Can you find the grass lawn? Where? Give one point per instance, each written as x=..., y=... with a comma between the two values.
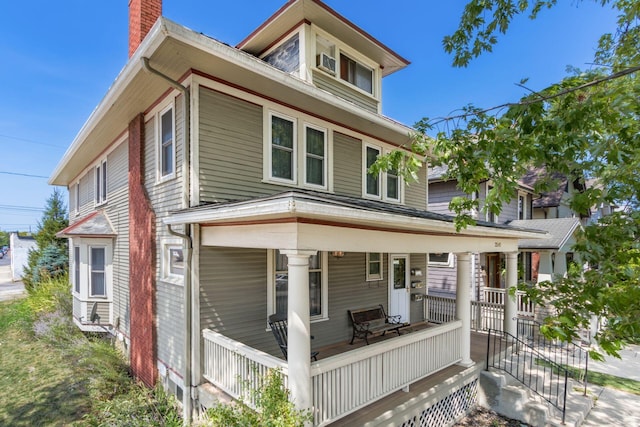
x=599, y=378
x=38, y=385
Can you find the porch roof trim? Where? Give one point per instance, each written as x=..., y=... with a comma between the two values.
x=341, y=209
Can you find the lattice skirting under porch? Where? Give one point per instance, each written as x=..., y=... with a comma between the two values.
x=449, y=410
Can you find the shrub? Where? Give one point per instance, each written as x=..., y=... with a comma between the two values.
x=273, y=408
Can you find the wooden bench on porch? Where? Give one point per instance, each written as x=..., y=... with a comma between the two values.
x=373, y=321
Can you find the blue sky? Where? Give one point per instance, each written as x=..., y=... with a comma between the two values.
x=60, y=57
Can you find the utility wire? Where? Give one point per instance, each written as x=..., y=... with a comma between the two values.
x=21, y=208
x=30, y=141
x=25, y=174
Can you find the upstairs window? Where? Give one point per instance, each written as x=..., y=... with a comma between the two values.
x=356, y=74
x=521, y=207
x=76, y=207
x=316, y=156
x=283, y=148
x=76, y=269
x=383, y=186
x=372, y=182
x=166, y=144
x=101, y=183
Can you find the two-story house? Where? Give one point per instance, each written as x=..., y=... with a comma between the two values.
x=214, y=186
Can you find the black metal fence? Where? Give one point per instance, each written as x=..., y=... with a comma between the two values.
x=529, y=366
x=570, y=356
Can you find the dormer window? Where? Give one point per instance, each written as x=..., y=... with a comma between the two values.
x=356, y=73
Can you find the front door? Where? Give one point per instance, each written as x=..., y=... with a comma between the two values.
x=399, y=291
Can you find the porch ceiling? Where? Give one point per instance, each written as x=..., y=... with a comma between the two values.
x=309, y=220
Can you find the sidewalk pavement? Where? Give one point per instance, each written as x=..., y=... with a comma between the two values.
x=8, y=289
x=613, y=407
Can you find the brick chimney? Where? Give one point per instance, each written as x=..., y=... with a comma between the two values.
x=142, y=15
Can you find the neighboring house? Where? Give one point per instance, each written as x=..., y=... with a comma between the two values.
x=20, y=247
x=487, y=269
x=554, y=204
x=215, y=185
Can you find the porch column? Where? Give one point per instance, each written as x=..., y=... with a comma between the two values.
x=299, y=331
x=545, y=268
x=463, y=305
x=510, y=306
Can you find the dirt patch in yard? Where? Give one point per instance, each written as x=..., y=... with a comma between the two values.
x=481, y=417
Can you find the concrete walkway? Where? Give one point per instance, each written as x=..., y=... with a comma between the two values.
x=613, y=407
x=8, y=289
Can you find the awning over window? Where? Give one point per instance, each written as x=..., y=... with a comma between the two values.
x=96, y=224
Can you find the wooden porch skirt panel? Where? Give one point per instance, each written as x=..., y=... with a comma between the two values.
x=346, y=382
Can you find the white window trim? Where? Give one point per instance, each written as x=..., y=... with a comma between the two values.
x=90, y=270
x=524, y=205
x=271, y=285
x=375, y=277
x=354, y=55
x=365, y=173
x=448, y=264
x=77, y=266
x=382, y=178
x=325, y=171
x=76, y=206
x=496, y=220
x=100, y=183
x=166, y=275
x=269, y=163
x=158, y=142
x=85, y=245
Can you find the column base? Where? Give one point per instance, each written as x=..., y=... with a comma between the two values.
x=466, y=363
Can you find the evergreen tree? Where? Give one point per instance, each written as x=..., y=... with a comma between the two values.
x=50, y=258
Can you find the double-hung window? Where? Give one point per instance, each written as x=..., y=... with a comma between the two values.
x=77, y=199
x=283, y=148
x=384, y=185
x=101, y=183
x=372, y=181
x=166, y=144
x=97, y=276
x=356, y=74
x=316, y=156
x=317, y=285
x=374, y=266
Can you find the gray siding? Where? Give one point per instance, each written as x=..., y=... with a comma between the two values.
x=343, y=90
x=117, y=209
x=87, y=194
x=440, y=194
x=230, y=149
x=166, y=196
x=415, y=194
x=347, y=165
x=170, y=311
x=233, y=295
x=416, y=307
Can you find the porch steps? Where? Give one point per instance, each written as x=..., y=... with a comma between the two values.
x=507, y=396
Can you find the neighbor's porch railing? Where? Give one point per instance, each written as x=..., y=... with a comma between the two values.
x=496, y=296
x=346, y=382
x=484, y=315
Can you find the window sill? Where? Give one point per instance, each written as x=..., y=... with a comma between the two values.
x=176, y=281
x=295, y=185
x=163, y=179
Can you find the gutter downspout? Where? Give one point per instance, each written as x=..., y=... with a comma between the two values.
x=186, y=110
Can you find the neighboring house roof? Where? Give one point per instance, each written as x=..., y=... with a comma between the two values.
x=559, y=229
x=96, y=224
x=437, y=173
x=342, y=209
x=315, y=12
x=550, y=198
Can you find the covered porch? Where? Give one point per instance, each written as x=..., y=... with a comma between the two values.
x=304, y=225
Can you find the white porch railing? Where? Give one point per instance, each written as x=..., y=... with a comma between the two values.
x=484, y=315
x=496, y=296
x=235, y=367
x=346, y=382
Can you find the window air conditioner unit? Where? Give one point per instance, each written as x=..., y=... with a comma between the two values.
x=327, y=63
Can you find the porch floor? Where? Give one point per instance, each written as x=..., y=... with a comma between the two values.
x=392, y=401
